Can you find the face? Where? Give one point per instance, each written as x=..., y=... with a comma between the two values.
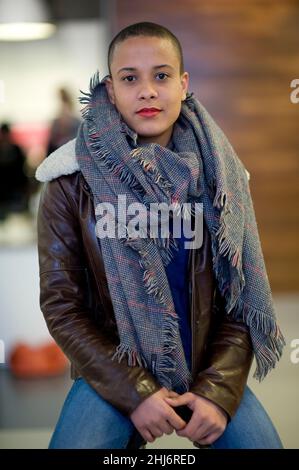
x=145, y=73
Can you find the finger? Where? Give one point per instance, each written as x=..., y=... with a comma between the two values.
x=175, y=420
x=208, y=439
x=192, y=427
x=173, y=394
x=180, y=400
x=195, y=430
x=166, y=428
x=156, y=431
x=147, y=435
x=197, y=427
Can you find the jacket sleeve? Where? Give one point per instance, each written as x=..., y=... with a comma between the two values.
x=66, y=311
x=229, y=356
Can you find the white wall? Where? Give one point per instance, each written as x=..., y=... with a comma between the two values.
x=20, y=315
x=31, y=71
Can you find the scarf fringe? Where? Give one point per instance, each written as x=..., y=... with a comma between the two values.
x=226, y=246
x=86, y=96
x=268, y=355
x=149, y=279
x=134, y=357
x=114, y=166
x=93, y=83
x=220, y=199
x=188, y=211
x=151, y=284
x=270, y=351
x=227, y=249
x=167, y=365
x=151, y=169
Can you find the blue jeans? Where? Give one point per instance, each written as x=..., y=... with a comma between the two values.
x=87, y=421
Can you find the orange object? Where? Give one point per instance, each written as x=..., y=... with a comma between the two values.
x=39, y=361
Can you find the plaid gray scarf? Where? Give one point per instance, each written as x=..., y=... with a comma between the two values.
x=202, y=167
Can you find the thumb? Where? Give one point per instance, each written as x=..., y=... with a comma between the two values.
x=177, y=401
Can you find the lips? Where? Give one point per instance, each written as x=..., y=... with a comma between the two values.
x=148, y=112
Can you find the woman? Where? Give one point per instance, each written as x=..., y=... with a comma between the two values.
x=161, y=335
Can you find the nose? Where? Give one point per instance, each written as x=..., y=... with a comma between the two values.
x=147, y=91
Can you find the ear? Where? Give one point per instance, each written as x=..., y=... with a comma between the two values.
x=109, y=88
x=185, y=84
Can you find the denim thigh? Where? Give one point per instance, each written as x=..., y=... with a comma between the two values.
x=87, y=421
x=250, y=428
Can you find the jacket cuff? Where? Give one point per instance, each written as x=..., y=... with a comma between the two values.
x=139, y=385
x=220, y=388
x=207, y=388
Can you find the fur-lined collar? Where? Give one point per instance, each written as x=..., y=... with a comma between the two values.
x=61, y=162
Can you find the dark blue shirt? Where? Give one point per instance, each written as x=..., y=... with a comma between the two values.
x=177, y=274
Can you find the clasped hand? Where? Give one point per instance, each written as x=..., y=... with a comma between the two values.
x=156, y=416
x=208, y=421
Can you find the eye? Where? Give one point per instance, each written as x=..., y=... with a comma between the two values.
x=128, y=77
x=162, y=73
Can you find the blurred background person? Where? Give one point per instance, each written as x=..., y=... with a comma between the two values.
x=64, y=127
x=13, y=179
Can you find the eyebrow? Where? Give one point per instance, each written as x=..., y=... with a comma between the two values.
x=133, y=69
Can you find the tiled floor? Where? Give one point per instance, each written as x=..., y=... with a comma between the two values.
x=29, y=409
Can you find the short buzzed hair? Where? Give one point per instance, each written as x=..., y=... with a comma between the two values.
x=146, y=29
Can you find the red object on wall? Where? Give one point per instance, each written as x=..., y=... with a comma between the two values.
x=28, y=361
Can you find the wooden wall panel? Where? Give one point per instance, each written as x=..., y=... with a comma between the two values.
x=242, y=57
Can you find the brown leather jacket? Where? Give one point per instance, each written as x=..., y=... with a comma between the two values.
x=77, y=307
